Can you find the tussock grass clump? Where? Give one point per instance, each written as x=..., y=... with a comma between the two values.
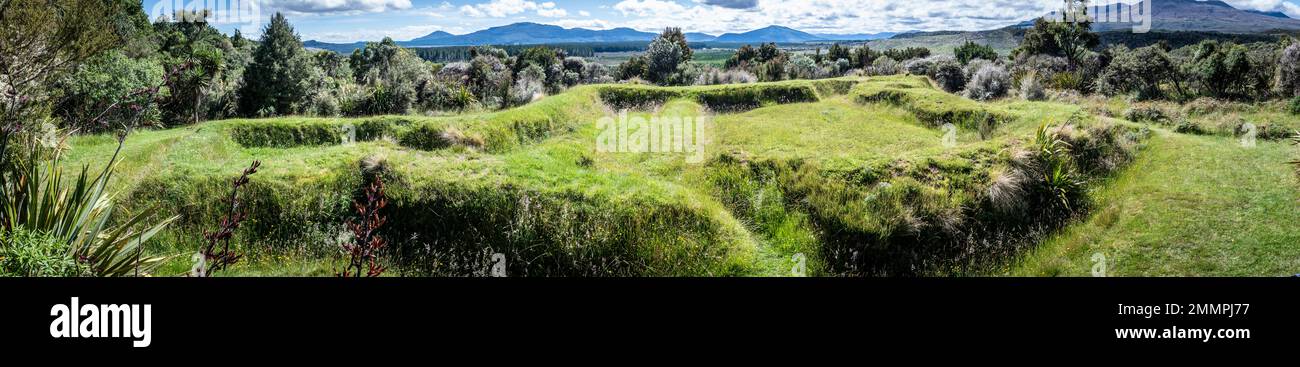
x=1147, y=113
x=636, y=97
x=750, y=97
x=286, y=133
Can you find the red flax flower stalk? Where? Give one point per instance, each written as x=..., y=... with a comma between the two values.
x=363, y=251
x=216, y=255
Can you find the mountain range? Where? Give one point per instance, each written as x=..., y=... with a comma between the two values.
x=534, y=33
x=1167, y=16
x=1206, y=16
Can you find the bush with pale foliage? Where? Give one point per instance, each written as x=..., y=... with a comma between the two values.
x=990, y=82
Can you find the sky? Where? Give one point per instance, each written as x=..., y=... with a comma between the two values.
x=372, y=20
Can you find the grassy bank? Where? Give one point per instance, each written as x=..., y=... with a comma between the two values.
x=1189, y=206
x=826, y=173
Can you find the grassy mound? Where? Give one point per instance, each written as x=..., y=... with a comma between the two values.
x=494, y=132
x=725, y=98
x=792, y=171
x=930, y=105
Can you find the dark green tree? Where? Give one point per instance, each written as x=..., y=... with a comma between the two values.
x=837, y=53
x=970, y=50
x=1070, y=38
x=675, y=35
x=274, y=83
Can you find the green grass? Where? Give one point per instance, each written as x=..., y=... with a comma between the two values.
x=819, y=169
x=1189, y=206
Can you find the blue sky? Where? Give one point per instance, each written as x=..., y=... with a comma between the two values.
x=368, y=20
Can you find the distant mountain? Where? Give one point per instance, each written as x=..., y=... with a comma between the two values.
x=774, y=33
x=537, y=34
x=343, y=48
x=433, y=37
x=529, y=34
x=856, y=37
x=1206, y=16
x=700, y=37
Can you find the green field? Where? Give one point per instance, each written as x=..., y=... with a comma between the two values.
x=846, y=176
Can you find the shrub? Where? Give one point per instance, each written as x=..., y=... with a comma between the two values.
x=949, y=75
x=26, y=253
x=1031, y=89
x=1223, y=70
x=1146, y=113
x=1043, y=67
x=885, y=66
x=1288, y=71
x=454, y=72
x=663, y=58
x=970, y=51
x=109, y=78
x=79, y=214
x=392, y=77
x=634, y=68
x=1138, y=72
x=446, y=96
x=904, y=54
x=801, y=67
x=975, y=66
x=489, y=79
x=989, y=82
x=924, y=66
x=1185, y=126
x=732, y=76
x=529, y=85
x=1294, y=107
x=1209, y=105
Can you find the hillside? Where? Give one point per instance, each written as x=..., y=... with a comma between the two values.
x=1207, y=16
x=776, y=34
x=1002, y=40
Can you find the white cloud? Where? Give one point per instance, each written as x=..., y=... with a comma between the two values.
x=583, y=23
x=549, y=10
x=336, y=6
x=1286, y=7
x=649, y=7
x=506, y=8
x=584, y=13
